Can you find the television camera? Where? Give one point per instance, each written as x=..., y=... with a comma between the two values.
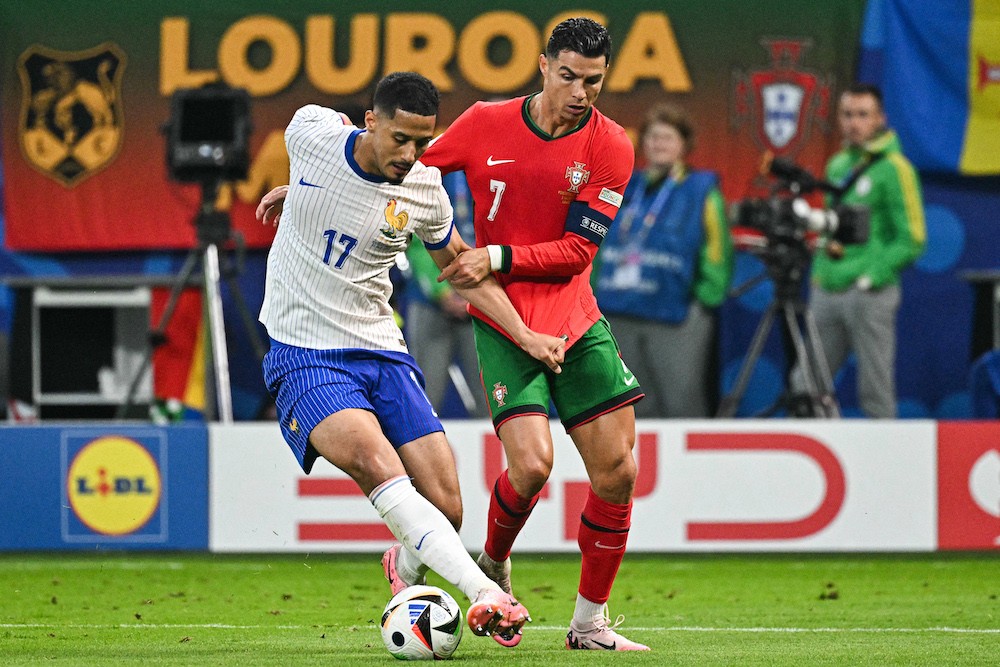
x=789, y=227
x=207, y=139
x=783, y=230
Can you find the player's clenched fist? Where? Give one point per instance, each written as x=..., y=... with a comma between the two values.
x=549, y=350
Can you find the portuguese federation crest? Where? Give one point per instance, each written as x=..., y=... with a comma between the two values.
x=781, y=103
x=499, y=393
x=71, y=110
x=577, y=175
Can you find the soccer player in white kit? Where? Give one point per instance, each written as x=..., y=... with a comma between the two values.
x=345, y=386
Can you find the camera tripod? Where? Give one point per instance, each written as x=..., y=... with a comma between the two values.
x=213, y=230
x=816, y=397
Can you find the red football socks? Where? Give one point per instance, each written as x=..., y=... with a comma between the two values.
x=508, y=512
x=602, y=537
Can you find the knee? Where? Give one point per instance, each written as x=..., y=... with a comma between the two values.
x=529, y=474
x=615, y=481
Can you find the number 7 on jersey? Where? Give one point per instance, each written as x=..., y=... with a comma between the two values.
x=497, y=188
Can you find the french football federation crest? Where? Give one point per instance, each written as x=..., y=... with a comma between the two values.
x=71, y=110
x=782, y=102
x=397, y=221
x=499, y=393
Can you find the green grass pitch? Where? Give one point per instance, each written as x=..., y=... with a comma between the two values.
x=203, y=609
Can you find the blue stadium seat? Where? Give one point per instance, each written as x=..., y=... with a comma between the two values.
x=984, y=385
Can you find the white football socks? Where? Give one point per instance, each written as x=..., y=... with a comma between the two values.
x=587, y=614
x=410, y=567
x=427, y=534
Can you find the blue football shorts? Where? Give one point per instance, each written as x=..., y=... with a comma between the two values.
x=310, y=385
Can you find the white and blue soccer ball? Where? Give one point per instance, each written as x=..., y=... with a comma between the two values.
x=422, y=623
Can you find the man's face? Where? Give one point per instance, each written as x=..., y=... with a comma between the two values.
x=572, y=82
x=861, y=118
x=397, y=142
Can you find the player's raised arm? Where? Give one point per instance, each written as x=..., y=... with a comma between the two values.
x=487, y=295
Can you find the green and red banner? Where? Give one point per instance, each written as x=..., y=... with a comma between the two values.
x=85, y=90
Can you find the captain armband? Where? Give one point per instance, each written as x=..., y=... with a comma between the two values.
x=588, y=223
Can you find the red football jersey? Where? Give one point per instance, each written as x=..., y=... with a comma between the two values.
x=522, y=182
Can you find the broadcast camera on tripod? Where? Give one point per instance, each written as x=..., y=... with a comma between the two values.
x=208, y=144
x=783, y=230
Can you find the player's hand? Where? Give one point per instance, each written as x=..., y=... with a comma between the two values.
x=549, y=350
x=468, y=269
x=271, y=204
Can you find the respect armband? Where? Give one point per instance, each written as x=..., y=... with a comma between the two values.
x=588, y=223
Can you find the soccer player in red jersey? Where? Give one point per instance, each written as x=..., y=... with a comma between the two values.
x=547, y=173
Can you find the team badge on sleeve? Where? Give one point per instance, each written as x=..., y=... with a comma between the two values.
x=609, y=196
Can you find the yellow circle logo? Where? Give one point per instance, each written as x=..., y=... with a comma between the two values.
x=114, y=485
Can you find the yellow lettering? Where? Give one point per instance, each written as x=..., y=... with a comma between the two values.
x=650, y=51
x=321, y=67
x=174, y=72
x=474, y=45
x=269, y=169
x=286, y=55
x=422, y=43
x=572, y=13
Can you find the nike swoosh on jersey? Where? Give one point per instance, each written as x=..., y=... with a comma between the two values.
x=490, y=162
x=306, y=183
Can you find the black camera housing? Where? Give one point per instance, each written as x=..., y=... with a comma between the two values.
x=786, y=216
x=208, y=134
x=791, y=218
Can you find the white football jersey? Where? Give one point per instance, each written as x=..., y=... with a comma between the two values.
x=327, y=284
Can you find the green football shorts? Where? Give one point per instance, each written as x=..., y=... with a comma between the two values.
x=594, y=379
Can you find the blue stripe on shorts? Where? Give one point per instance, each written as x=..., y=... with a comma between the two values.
x=310, y=385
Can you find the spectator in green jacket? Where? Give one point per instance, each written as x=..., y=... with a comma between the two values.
x=855, y=298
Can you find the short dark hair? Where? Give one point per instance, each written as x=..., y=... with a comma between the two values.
x=865, y=89
x=580, y=35
x=672, y=115
x=406, y=91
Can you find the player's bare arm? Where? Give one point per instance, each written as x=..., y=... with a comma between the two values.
x=491, y=300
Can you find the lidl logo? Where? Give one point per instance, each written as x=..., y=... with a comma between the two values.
x=113, y=485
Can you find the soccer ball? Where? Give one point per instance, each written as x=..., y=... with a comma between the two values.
x=422, y=623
